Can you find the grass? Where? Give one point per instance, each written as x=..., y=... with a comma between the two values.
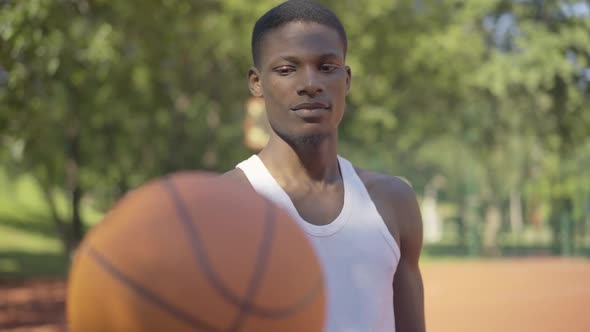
x=29, y=243
x=30, y=246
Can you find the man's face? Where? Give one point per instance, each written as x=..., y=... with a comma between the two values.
x=302, y=76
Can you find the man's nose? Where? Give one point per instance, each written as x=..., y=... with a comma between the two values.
x=310, y=82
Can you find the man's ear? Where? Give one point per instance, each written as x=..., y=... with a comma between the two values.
x=348, y=79
x=254, y=82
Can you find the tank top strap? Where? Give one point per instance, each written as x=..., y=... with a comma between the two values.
x=262, y=181
x=352, y=180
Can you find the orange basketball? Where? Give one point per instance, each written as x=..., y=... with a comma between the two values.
x=195, y=252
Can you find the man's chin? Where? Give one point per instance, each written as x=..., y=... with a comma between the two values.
x=309, y=139
x=308, y=136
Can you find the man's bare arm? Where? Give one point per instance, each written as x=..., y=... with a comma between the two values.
x=396, y=202
x=407, y=284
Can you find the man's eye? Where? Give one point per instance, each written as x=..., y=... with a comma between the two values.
x=283, y=71
x=328, y=68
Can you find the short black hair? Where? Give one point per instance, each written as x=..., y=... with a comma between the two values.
x=294, y=11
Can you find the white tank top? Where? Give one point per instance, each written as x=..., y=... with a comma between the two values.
x=357, y=251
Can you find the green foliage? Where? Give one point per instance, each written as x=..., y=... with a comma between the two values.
x=105, y=95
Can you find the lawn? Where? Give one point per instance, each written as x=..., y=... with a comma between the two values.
x=29, y=243
x=30, y=246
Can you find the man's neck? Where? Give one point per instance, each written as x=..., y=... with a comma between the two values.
x=308, y=163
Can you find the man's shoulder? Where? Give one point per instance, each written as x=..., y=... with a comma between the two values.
x=394, y=199
x=236, y=175
x=386, y=186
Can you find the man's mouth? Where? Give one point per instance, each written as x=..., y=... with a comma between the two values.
x=311, y=107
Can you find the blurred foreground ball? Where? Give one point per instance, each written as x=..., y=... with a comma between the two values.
x=195, y=252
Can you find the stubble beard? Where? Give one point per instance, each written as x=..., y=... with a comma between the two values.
x=303, y=141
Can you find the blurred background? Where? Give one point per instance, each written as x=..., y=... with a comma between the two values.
x=482, y=105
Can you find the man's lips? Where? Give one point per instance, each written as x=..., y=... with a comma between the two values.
x=311, y=106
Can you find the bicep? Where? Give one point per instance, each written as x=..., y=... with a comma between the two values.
x=407, y=284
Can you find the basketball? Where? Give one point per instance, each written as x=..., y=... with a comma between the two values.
x=195, y=252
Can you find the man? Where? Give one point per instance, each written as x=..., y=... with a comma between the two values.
x=366, y=227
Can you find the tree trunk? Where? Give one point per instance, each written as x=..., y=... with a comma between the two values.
x=77, y=224
x=122, y=187
x=73, y=184
x=60, y=225
x=515, y=211
x=562, y=205
x=493, y=222
x=470, y=225
x=73, y=159
x=563, y=227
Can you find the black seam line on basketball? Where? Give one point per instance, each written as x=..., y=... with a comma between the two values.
x=261, y=263
x=140, y=290
x=200, y=255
